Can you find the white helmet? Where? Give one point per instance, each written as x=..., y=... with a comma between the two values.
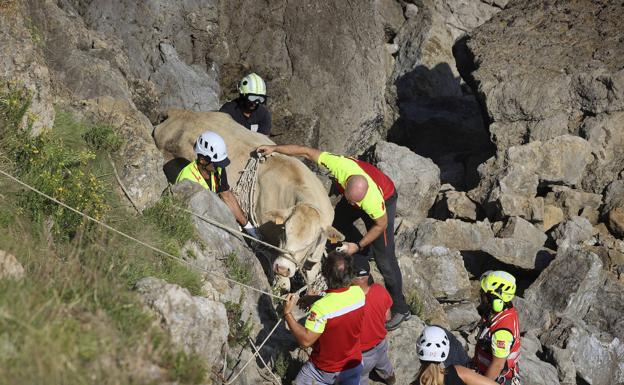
x=212, y=146
x=433, y=344
x=252, y=84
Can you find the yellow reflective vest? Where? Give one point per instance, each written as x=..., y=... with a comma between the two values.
x=191, y=172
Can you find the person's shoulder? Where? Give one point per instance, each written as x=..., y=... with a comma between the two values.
x=228, y=106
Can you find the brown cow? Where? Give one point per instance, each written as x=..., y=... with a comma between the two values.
x=291, y=205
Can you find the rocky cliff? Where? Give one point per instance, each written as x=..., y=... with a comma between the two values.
x=500, y=123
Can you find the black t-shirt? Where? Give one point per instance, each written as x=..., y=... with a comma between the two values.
x=258, y=121
x=451, y=377
x=457, y=354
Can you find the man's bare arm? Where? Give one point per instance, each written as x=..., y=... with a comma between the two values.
x=291, y=149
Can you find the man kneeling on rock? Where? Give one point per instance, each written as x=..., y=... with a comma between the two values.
x=332, y=328
x=368, y=194
x=209, y=171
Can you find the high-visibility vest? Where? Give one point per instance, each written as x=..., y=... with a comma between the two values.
x=508, y=320
x=192, y=173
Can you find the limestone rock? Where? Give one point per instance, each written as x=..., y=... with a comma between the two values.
x=350, y=59
x=516, y=252
x=138, y=160
x=22, y=61
x=583, y=348
x=445, y=272
x=207, y=204
x=462, y=315
x=568, y=286
x=518, y=228
x=455, y=205
x=184, y=86
x=419, y=292
x=438, y=116
x=10, y=268
x=402, y=350
x=553, y=215
x=417, y=179
x=537, y=101
x=174, y=55
x=604, y=132
x=575, y=202
x=534, y=370
x=453, y=234
x=530, y=316
x=195, y=324
x=614, y=196
x=574, y=231
x=615, y=221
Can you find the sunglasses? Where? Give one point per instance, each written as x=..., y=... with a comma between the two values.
x=258, y=99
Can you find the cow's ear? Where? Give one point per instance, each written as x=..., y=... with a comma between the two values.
x=333, y=235
x=278, y=216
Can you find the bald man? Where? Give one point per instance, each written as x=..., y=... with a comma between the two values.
x=370, y=195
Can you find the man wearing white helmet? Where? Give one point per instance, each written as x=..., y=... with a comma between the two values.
x=433, y=350
x=248, y=109
x=209, y=171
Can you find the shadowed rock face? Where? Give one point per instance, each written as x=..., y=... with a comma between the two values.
x=543, y=69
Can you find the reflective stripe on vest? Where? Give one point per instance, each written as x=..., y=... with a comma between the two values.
x=192, y=173
x=507, y=319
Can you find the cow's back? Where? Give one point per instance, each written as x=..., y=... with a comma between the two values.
x=176, y=136
x=282, y=180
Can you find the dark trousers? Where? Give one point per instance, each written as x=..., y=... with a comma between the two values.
x=382, y=248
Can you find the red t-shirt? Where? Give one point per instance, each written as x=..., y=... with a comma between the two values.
x=378, y=301
x=339, y=316
x=383, y=181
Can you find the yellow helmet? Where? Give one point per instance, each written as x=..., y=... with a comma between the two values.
x=499, y=283
x=252, y=84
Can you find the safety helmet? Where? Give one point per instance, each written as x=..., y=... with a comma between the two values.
x=252, y=84
x=501, y=285
x=433, y=344
x=212, y=146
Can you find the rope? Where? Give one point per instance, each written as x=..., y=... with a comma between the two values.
x=245, y=189
x=232, y=230
x=255, y=354
x=178, y=259
x=256, y=351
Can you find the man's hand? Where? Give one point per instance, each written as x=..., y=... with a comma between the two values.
x=266, y=149
x=348, y=248
x=291, y=302
x=252, y=231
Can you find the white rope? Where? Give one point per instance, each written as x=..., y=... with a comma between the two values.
x=233, y=230
x=254, y=355
x=178, y=259
x=245, y=189
x=256, y=351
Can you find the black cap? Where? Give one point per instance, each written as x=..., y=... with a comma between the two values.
x=361, y=267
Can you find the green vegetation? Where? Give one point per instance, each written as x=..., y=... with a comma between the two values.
x=237, y=270
x=415, y=303
x=239, y=330
x=74, y=318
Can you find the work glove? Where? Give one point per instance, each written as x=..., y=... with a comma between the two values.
x=252, y=231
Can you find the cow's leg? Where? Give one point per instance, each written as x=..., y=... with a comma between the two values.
x=382, y=249
x=344, y=216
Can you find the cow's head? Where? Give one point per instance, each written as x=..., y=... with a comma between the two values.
x=302, y=235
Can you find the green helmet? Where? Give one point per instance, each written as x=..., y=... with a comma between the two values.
x=252, y=84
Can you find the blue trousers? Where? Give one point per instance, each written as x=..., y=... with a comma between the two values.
x=311, y=375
